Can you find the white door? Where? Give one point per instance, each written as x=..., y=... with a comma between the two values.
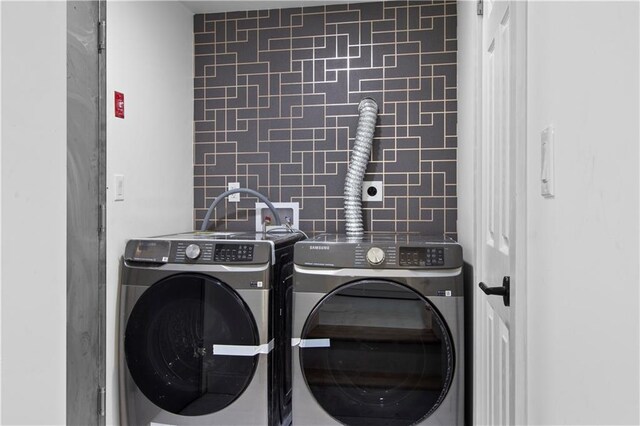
x=499, y=365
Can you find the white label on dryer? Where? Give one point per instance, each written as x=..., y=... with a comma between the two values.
x=242, y=350
x=311, y=343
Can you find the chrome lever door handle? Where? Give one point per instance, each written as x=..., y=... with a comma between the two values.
x=503, y=291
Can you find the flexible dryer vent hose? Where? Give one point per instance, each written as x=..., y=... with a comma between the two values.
x=219, y=198
x=368, y=110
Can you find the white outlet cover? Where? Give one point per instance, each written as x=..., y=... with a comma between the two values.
x=234, y=198
x=262, y=209
x=377, y=184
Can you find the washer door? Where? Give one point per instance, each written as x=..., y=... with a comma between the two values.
x=169, y=343
x=376, y=352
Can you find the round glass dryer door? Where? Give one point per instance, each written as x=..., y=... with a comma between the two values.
x=375, y=352
x=169, y=343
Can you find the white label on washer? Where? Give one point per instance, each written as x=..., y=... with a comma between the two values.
x=447, y=293
x=165, y=259
x=311, y=343
x=242, y=350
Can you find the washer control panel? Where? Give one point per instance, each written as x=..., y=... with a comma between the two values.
x=225, y=252
x=196, y=252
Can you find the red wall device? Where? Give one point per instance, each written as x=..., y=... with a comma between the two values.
x=119, y=104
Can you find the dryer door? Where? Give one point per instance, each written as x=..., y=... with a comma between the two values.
x=169, y=341
x=376, y=352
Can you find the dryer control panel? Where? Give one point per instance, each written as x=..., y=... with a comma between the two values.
x=421, y=256
x=379, y=251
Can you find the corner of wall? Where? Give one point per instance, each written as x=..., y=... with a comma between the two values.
x=149, y=59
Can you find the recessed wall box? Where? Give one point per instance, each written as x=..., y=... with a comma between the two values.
x=290, y=210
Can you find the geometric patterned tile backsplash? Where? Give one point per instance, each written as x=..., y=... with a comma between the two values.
x=276, y=96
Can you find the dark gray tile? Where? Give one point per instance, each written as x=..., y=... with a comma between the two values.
x=203, y=49
x=451, y=120
x=448, y=168
x=438, y=57
x=432, y=10
x=218, y=182
x=198, y=23
x=401, y=19
x=236, y=15
x=289, y=106
x=247, y=24
x=448, y=71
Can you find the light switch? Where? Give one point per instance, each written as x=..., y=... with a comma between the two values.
x=119, y=187
x=547, y=163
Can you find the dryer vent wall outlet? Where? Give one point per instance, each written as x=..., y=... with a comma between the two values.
x=372, y=191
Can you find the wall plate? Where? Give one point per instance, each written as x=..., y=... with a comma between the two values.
x=547, y=166
x=372, y=191
x=292, y=210
x=234, y=198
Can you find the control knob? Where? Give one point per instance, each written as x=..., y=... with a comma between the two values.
x=375, y=256
x=192, y=251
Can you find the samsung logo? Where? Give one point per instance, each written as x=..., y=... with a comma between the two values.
x=318, y=247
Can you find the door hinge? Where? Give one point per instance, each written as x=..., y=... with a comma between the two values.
x=102, y=401
x=102, y=218
x=102, y=36
x=480, y=8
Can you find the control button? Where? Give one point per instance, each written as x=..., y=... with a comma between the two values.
x=192, y=251
x=375, y=256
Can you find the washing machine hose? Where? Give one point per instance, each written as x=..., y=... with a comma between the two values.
x=368, y=110
x=205, y=222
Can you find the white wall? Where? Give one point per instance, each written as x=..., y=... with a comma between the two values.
x=34, y=212
x=583, y=245
x=467, y=102
x=150, y=60
x=468, y=93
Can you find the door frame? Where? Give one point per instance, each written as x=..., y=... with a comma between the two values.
x=86, y=197
x=518, y=279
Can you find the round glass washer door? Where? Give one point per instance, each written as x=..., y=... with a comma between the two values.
x=169, y=342
x=375, y=352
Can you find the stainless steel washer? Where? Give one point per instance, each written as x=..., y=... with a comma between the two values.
x=202, y=329
x=378, y=331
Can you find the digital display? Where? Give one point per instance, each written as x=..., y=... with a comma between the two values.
x=421, y=256
x=233, y=253
x=152, y=251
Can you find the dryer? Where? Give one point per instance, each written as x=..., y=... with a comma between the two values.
x=378, y=331
x=202, y=325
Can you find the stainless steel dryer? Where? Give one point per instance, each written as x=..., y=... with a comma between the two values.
x=378, y=331
x=199, y=323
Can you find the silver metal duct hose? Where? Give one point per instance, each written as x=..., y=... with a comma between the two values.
x=368, y=110
x=205, y=222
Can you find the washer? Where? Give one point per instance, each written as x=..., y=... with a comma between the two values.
x=203, y=330
x=378, y=331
